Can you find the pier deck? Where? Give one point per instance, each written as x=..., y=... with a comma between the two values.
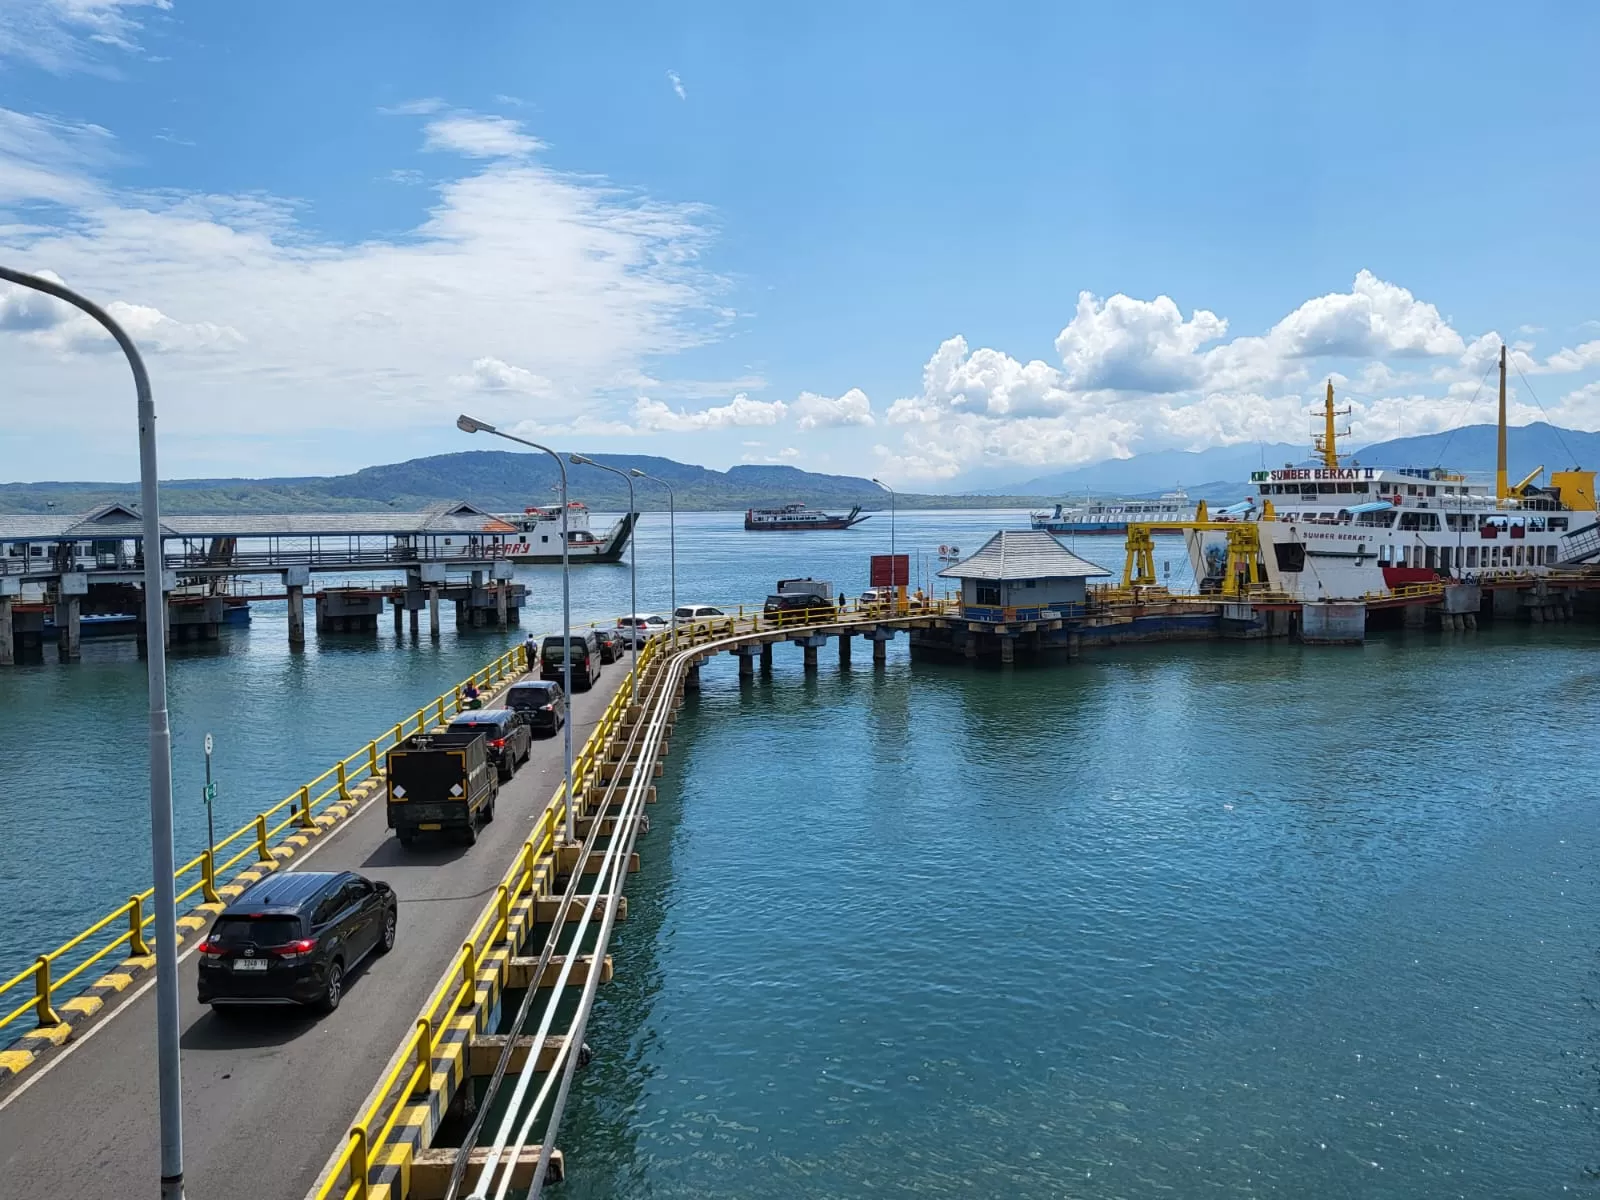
x=267, y=1099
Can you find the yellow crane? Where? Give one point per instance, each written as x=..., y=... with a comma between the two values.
x=1245, y=569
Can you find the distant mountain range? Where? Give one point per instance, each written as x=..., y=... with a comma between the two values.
x=498, y=480
x=505, y=481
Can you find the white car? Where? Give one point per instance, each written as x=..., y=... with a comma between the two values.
x=641, y=627
x=696, y=612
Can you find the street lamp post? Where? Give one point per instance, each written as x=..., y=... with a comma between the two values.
x=633, y=571
x=893, y=577
x=672, y=543
x=161, y=864
x=472, y=425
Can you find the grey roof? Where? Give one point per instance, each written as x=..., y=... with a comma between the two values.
x=1015, y=554
x=120, y=521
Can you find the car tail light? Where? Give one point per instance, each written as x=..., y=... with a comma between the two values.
x=295, y=951
x=210, y=949
x=547, y=708
x=498, y=743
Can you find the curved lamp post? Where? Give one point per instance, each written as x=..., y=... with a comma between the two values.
x=579, y=460
x=672, y=542
x=472, y=425
x=161, y=864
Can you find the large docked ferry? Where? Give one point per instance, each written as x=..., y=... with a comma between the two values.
x=538, y=537
x=797, y=516
x=1342, y=531
x=1113, y=517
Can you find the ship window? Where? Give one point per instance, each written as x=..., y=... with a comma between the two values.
x=1411, y=489
x=1558, y=523
x=544, y=537
x=1344, y=487
x=1433, y=491
x=1325, y=488
x=1519, y=556
x=1359, y=487
x=1472, y=556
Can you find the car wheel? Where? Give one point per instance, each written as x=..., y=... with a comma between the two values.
x=406, y=840
x=390, y=921
x=488, y=810
x=470, y=836
x=333, y=990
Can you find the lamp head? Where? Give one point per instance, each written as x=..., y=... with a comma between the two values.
x=579, y=460
x=472, y=425
x=637, y=474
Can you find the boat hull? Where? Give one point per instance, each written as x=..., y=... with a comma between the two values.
x=608, y=550
x=798, y=526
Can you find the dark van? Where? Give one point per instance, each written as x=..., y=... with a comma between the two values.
x=441, y=783
x=585, y=660
x=509, y=741
x=538, y=702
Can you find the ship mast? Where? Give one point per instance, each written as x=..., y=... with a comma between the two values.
x=1326, y=444
x=1501, y=491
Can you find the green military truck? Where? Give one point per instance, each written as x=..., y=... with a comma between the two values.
x=443, y=784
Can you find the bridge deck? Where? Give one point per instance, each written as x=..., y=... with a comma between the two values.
x=267, y=1098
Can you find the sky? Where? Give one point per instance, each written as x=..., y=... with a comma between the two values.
x=944, y=245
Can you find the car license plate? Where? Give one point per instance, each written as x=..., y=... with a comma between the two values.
x=249, y=964
x=430, y=825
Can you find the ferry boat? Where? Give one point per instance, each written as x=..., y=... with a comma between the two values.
x=538, y=536
x=1114, y=517
x=1340, y=531
x=797, y=516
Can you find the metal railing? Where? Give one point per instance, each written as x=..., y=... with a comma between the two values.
x=253, y=840
x=413, y=1066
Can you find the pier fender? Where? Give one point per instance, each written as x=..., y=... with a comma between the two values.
x=585, y=1055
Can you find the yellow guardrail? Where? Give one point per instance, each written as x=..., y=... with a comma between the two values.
x=254, y=840
x=413, y=1066
x=347, y=1176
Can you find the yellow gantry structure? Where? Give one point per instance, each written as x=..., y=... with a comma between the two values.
x=1245, y=568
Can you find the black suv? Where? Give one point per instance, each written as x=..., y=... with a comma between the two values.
x=505, y=733
x=293, y=938
x=538, y=702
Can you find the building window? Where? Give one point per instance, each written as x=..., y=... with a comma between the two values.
x=987, y=594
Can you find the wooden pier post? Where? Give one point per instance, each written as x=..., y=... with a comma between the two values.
x=8, y=654
x=844, y=650
x=433, y=613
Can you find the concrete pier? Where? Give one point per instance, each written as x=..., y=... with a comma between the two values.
x=297, y=616
x=766, y=658
x=415, y=621
x=8, y=650
x=844, y=650
x=811, y=658
x=69, y=630
x=433, y=613
x=501, y=592
x=1008, y=649
x=399, y=620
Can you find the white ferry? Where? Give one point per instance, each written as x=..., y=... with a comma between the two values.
x=793, y=517
x=1347, y=532
x=1114, y=517
x=538, y=536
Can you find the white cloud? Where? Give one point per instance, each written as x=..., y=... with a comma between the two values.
x=478, y=136
x=1129, y=345
x=268, y=329
x=677, y=85
x=656, y=417
x=1138, y=375
x=493, y=375
x=820, y=412
x=59, y=35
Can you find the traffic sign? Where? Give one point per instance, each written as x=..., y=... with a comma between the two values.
x=208, y=743
x=210, y=792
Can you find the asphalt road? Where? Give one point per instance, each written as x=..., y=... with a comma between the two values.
x=268, y=1098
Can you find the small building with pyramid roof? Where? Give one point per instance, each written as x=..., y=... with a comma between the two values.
x=1019, y=574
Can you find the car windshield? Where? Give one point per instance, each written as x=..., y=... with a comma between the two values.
x=263, y=931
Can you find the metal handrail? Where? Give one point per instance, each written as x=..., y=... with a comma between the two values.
x=302, y=803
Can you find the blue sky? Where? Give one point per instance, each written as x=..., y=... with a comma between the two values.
x=930, y=242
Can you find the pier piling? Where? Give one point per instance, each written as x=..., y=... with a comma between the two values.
x=844, y=650
x=399, y=615
x=69, y=630
x=8, y=655
x=766, y=658
x=1008, y=649
x=415, y=616
x=433, y=613
x=297, y=615
x=501, y=591
x=880, y=652
x=810, y=658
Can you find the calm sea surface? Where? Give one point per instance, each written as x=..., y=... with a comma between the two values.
x=1241, y=920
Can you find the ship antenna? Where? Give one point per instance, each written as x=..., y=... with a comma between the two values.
x=1326, y=444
